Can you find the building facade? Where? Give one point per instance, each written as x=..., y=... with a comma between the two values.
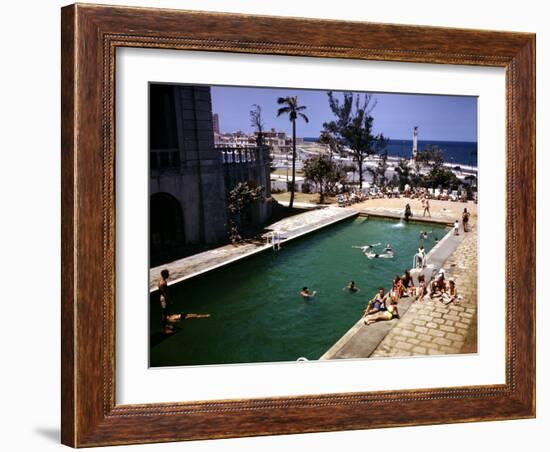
x=278, y=141
x=189, y=177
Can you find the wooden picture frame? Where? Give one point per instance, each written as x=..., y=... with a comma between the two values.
x=90, y=36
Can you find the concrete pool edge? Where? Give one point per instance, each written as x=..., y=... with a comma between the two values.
x=336, y=351
x=392, y=216
x=344, y=214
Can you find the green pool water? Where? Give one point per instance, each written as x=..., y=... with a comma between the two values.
x=256, y=312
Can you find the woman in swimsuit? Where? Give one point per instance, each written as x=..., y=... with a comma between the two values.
x=451, y=296
x=408, y=283
x=422, y=288
x=389, y=314
x=397, y=289
x=438, y=286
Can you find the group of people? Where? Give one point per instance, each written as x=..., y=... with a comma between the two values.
x=383, y=306
x=351, y=197
x=442, y=195
x=370, y=253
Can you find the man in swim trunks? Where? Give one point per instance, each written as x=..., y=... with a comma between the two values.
x=164, y=299
x=306, y=295
x=376, y=304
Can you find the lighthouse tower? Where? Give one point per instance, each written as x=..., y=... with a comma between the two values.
x=415, y=144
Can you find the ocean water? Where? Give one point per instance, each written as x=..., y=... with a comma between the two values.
x=256, y=312
x=459, y=152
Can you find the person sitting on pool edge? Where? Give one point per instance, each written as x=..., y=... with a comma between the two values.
x=389, y=314
x=451, y=295
x=438, y=285
x=351, y=287
x=408, y=283
x=376, y=304
x=422, y=289
x=306, y=295
x=397, y=289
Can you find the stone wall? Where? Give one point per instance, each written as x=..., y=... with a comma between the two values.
x=185, y=164
x=194, y=174
x=249, y=165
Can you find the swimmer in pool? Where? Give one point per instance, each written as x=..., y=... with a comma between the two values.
x=351, y=287
x=306, y=295
x=367, y=248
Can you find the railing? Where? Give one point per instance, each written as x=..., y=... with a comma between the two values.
x=236, y=155
x=164, y=160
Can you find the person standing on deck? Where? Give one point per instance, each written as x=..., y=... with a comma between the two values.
x=408, y=213
x=456, y=227
x=465, y=219
x=426, y=207
x=164, y=299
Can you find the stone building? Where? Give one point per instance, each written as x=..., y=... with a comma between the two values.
x=190, y=178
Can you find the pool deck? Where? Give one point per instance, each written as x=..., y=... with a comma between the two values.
x=289, y=229
x=441, y=212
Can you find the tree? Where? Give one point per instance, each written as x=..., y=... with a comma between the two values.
x=403, y=172
x=379, y=171
x=294, y=111
x=324, y=173
x=431, y=156
x=328, y=140
x=240, y=197
x=441, y=177
x=353, y=127
x=438, y=175
x=256, y=121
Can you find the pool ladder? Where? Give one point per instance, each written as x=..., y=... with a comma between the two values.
x=275, y=238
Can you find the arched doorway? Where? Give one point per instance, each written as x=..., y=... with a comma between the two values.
x=166, y=233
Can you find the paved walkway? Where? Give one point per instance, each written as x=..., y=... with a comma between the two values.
x=431, y=328
x=289, y=228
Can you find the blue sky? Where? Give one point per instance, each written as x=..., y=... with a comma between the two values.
x=445, y=118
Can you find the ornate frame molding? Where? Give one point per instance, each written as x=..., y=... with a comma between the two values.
x=90, y=37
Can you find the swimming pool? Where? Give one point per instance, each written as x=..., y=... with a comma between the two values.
x=256, y=312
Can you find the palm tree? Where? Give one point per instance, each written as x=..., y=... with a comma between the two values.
x=293, y=110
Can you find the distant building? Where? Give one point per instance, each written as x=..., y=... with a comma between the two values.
x=216, y=123
x=190, y=177
x=278, y=141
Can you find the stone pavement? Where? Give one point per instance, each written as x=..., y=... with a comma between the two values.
x=431, y=328
x=289, y=228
